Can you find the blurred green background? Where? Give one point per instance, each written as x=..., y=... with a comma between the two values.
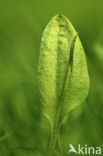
x=23, y=129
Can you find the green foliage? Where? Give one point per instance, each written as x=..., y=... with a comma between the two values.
x=24, y=131
x=62, y=72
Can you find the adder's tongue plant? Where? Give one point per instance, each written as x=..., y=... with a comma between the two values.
x=62, y=73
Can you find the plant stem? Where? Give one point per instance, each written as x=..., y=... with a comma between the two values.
x=54, y=138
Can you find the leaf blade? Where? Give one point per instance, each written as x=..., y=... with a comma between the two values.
x=55, y=53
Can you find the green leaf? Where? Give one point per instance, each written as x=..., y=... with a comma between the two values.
x=62, y=71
